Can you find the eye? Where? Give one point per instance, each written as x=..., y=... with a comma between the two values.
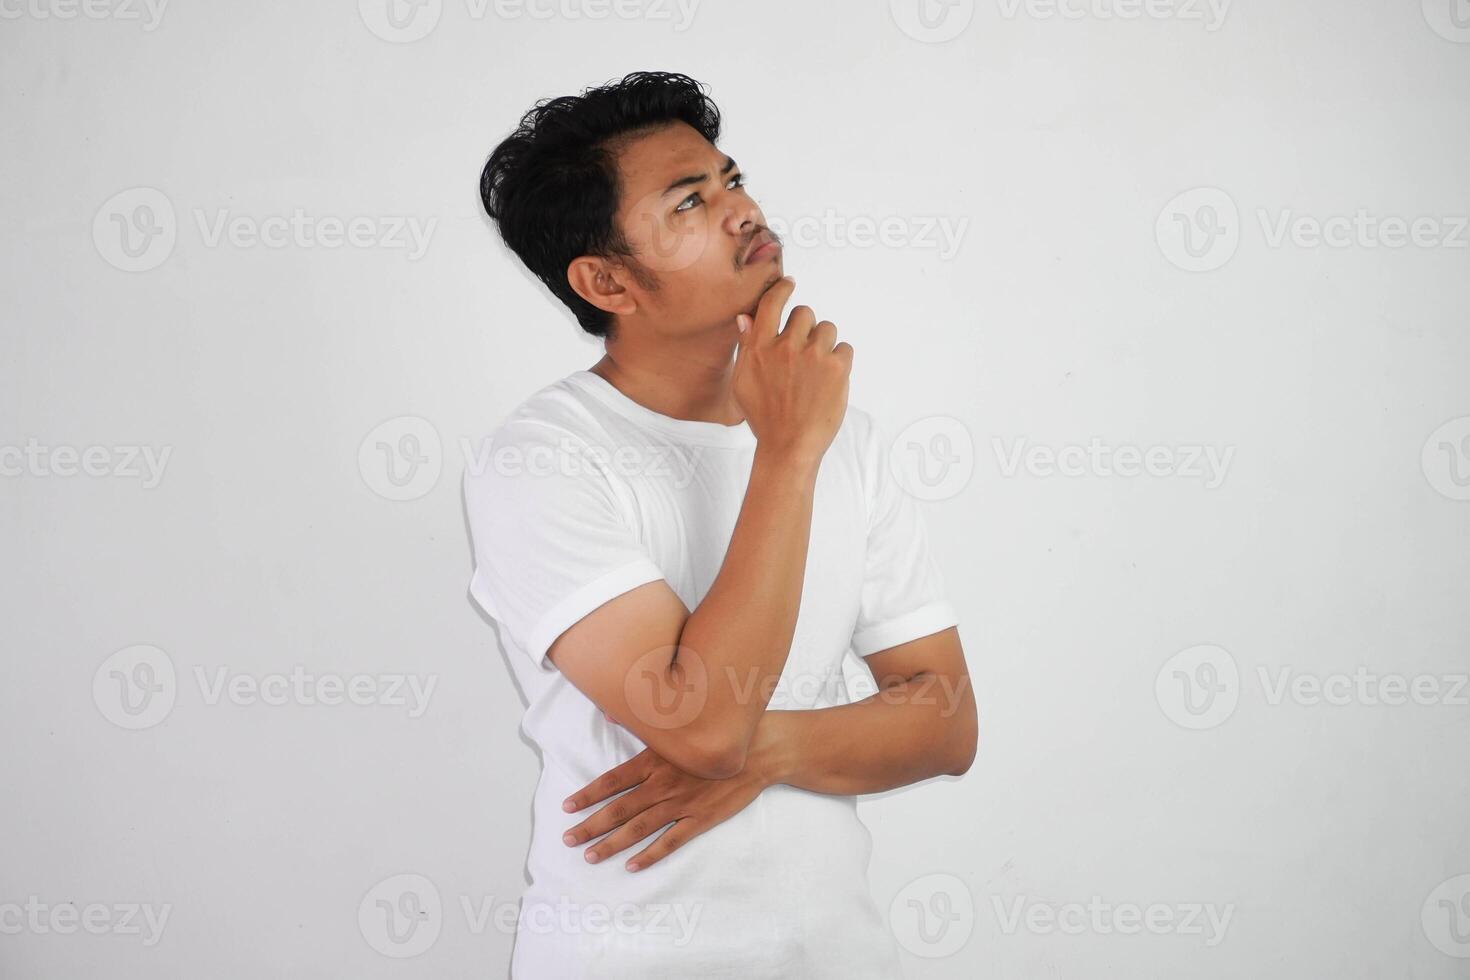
x=735, y=182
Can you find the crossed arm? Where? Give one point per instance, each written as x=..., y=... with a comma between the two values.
x=920, y=723
x=718, y=666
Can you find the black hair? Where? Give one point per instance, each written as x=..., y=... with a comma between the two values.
x=551, y=186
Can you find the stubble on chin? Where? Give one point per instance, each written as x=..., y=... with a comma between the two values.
x=771, y=280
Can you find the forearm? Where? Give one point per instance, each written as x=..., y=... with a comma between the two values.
x=909, y=731
x=741, y=632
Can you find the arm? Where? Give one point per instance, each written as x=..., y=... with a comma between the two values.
x=921, y=723
x=644, y=651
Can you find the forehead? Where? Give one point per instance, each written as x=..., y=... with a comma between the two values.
x=649, y=162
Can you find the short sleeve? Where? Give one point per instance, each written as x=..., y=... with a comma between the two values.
x=903, y=595
x=551, y=534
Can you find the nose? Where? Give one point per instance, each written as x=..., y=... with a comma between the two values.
x=741, y=214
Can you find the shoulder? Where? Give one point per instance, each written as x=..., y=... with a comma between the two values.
x=860, y=424
x=865, y=437
x=556, y=422
x=861, y=445
x=559, y=406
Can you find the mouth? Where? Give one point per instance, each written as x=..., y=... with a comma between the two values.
x=761, y=248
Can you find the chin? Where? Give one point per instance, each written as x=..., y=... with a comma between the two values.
x=770, y=278
x=760, y=280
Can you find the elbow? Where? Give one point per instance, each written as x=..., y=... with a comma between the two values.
x=964, y=733
x=963, y=744
x=714, y=757
x=719, y=761
x=961, y=762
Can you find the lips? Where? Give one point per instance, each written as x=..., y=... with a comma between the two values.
x=763, y=246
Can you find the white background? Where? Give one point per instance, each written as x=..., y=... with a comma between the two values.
x=1336, y=541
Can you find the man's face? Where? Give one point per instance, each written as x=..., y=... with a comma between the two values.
x=694, y=229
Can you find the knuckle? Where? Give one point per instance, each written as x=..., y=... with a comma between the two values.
x=618, y=811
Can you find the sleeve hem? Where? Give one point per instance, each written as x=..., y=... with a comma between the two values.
x=924, y=621
x=574, y=607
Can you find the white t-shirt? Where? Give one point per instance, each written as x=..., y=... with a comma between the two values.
x=587, y=494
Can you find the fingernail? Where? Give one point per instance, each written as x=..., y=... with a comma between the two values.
x=591, y=857
x=740, y=323
x=568, y=805
x=633, y=865
x=569, y=838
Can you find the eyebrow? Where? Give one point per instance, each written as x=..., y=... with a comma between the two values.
x=700, y=178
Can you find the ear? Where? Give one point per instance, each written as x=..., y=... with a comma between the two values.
x=601, y=283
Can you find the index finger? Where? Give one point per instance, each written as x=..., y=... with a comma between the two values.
x=768, y=311
x=610, y=783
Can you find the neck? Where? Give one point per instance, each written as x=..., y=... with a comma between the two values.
x=681, y=376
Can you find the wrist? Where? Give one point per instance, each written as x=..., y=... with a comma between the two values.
x=771, y=760
x=789, y=462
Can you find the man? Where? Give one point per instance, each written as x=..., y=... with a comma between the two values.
x=680, y=545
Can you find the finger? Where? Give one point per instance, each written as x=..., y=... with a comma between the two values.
x=630, y=833
x=823, y=335
x=613, y=815
x=844, y=351
x=768, y=310
x=610, y=783
x=681, y=833
x=743, y=324
x=799, y=324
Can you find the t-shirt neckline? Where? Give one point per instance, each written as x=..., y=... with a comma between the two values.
x=688, y=430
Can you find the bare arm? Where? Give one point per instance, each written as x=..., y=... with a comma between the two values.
x=682, y=681
x=921, y=723
x=671, y=676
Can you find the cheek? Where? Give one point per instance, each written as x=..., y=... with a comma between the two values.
x=670, y=245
